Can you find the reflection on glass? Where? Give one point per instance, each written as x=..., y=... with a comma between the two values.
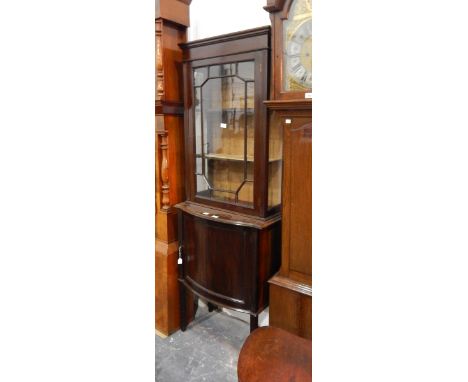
x=224, y=131
x=199, y=76
x=246, y=70
x=275, y=161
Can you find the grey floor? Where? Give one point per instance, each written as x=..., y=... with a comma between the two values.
x=207, y=351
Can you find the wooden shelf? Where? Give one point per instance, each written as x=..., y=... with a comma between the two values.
x=249, y=110
x=232, y=157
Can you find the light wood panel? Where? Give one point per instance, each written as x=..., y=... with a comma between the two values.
x=290, y=288
x=172, y=18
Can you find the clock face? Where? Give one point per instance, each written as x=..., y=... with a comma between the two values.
x=298, y=56
x=297, y=47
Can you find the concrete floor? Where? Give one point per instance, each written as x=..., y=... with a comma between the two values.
x=207, y=351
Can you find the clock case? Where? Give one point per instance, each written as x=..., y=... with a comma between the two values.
x=291, y=288
x=228, y=251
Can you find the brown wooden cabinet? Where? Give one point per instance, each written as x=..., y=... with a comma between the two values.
x=230, y=224
x=290, y=109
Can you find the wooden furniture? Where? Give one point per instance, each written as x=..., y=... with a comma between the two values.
x=172, y=20
x=290, y=109
x=230, y=224
x=274, y=355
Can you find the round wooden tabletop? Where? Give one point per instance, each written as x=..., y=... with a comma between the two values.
x=275, y=355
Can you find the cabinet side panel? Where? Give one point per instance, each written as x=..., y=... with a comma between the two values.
x=269, y=261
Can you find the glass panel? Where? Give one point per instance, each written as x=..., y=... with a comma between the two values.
x=202, y=185
x=200, y=75
x=228, y=181
x=199, y=166
x=275, y=161
x=224, y=133
x=229, y=69
x=249, y=115
x=246, y=70
x=198, y=120
x=215, y=71
x=246, y=191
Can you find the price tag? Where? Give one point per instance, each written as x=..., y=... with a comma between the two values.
x=223, y=125
x=308, y=95
x=179, y=260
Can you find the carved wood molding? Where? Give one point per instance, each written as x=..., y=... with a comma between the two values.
x=174, y=11
x=168, y=107
x=223, y=216
x=291, y=284
x=296, y=104
x=234, y=36
x=159, y=62
x=164, y=171
x=281, y=7
x=274, y=5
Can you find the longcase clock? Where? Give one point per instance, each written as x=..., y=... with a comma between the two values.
x=290, y=111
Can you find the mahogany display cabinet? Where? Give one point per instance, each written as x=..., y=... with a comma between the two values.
x=229, y=225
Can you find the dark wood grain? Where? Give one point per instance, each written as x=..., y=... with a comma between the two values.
x=226, y=216
x=229, y=265
x=274, y=355
x=168, y=107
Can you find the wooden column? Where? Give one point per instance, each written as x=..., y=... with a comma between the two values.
x=172, y=20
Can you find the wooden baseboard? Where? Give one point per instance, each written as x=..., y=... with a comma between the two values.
x=291, y=306
x=289, y=283
x=166, y=288
x=159, y=334
x=167, y=310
